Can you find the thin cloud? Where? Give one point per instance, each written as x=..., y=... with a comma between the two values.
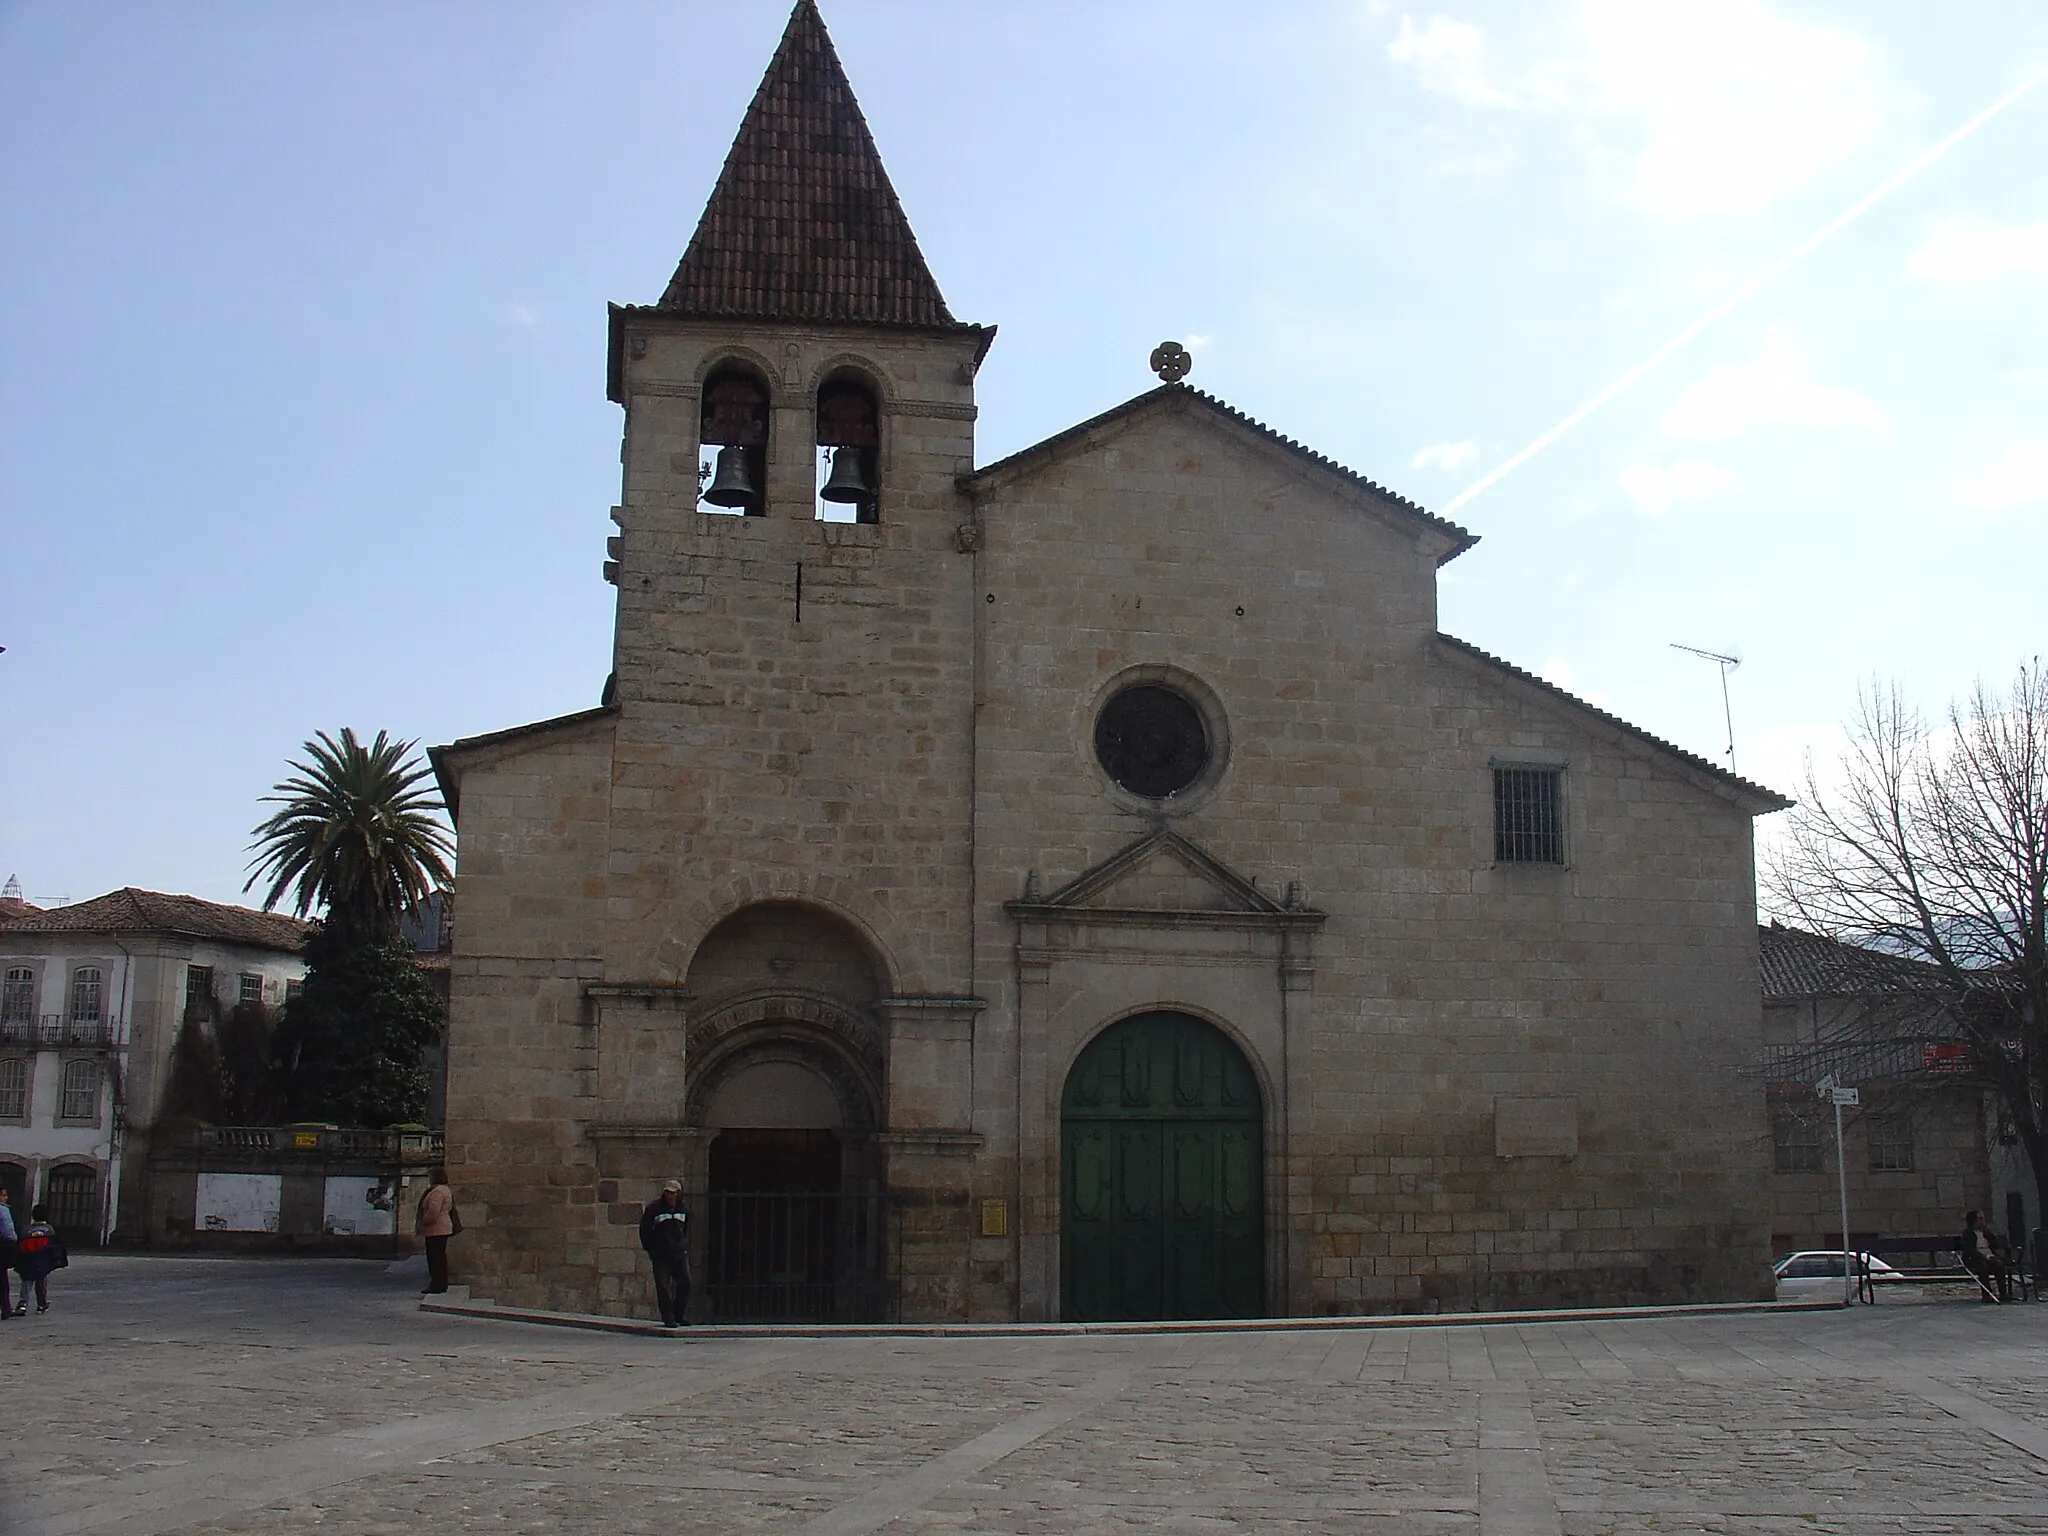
x=1657, y=488
x=1972, y=250
x=1711, y=109
x=2015, y=477
x=1776, y=388
x=519, y=314
x=1449, y=58
x=1444, y=455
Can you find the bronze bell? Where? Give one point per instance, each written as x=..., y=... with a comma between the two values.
x=846, y=483
x=731, y=486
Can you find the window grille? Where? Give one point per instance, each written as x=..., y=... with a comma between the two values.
x=81, y=1099
x=1528, y=819
x=85, y=995
x=13, y=1089
x=1795, y=1143
x=198, y=987
x=18, y=996
x=1891, y=1143
x=252, y=987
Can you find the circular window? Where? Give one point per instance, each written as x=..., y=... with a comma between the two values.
x=1151, y=742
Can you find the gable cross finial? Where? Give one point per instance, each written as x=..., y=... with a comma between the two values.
x=1171, y=362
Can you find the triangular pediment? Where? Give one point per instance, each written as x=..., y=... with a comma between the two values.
x=1163, y=875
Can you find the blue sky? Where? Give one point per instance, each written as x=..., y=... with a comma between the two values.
x=302, y=416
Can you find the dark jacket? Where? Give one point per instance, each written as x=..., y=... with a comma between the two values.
x=42, y=1250
x=665, y=1233
x=1966, y=1245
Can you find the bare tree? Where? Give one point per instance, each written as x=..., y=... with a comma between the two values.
x=1934, y=848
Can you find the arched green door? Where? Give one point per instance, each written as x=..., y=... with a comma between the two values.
x=1161, y=1194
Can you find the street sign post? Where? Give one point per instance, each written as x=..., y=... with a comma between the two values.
x=1831, y=1092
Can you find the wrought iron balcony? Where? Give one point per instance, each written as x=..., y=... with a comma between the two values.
x=56, y=1030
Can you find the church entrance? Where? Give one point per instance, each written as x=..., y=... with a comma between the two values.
x=1161, y=1211
x=789, y=1227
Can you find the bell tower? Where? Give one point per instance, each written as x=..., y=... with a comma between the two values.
x=794, y=561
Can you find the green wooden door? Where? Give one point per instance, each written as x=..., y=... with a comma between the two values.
x=1161, y=1213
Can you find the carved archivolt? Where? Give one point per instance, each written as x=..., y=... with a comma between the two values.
x=844, y=1046
x=709, y=1027
x=857, y=1089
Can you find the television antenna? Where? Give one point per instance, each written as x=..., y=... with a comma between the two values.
x=1727, y=664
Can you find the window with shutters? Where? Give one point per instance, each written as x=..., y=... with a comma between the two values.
x=79, y=1103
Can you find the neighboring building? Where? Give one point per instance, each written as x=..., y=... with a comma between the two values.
x=94, y=996
x=431, y=933
x=1085, y=886
x=1918, y=1149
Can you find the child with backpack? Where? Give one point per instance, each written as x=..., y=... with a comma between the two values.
x=40, y=1250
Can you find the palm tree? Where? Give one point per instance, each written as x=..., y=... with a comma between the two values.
x=356, y=832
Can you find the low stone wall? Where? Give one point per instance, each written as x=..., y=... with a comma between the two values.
x=287, y=1189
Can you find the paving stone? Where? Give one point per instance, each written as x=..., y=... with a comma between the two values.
x=181, y=1396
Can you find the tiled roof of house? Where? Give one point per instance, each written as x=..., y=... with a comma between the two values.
x=13, y=907
x=803, y=224
x=1747, y=787
x=131, y=911
x=1167, y=394
x=1796, y=963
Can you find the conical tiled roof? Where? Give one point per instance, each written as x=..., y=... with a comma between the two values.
x=803, y=224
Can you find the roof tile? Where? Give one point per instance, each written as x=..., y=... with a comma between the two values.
x=129, y=910
x=803, y=224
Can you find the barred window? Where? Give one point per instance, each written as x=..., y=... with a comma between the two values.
x=252, y=987
x=18, y=996
x=1795, y=1143
x=85, y=995
x=1891, y=1143
x=13, y=1089
x=198, y=987
x=81, y=1098
x=1528, y=815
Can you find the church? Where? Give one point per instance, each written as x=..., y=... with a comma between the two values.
x=1087, y=885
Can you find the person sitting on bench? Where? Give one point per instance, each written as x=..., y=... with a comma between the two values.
x=1983, y=1254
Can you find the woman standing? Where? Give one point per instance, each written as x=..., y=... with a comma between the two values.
x=435, y=1224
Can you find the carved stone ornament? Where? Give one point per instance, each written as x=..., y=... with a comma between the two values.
x=1171, y=362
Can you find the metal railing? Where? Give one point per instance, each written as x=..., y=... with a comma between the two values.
x=56, y=1030
x=779, y=1257
x=420, y=1147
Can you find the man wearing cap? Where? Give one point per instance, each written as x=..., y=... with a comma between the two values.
x=665, y=1234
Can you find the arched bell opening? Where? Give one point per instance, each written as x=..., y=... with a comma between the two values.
x=1162, y=1206
x=849, y=439
x=732, y=443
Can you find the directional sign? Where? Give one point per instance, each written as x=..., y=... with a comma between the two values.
x=1843, y=1098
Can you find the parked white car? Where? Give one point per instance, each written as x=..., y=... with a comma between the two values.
x=1817, y=1274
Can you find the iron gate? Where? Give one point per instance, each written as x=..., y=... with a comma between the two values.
x=780, y=1257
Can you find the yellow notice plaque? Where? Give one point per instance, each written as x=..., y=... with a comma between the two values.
x=306, y=1140
x=995, y=1218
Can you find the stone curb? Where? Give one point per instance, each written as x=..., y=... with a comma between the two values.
x=454, y=1305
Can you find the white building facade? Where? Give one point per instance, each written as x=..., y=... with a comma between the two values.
x=92, y=996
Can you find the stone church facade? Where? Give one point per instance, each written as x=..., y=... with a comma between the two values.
x=1088, y=885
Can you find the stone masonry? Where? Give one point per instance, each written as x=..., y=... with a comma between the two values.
x=840, y=852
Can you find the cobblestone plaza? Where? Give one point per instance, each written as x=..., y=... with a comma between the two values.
x=173, y=1395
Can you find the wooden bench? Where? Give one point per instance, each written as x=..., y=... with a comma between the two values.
x=1940, y=1263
